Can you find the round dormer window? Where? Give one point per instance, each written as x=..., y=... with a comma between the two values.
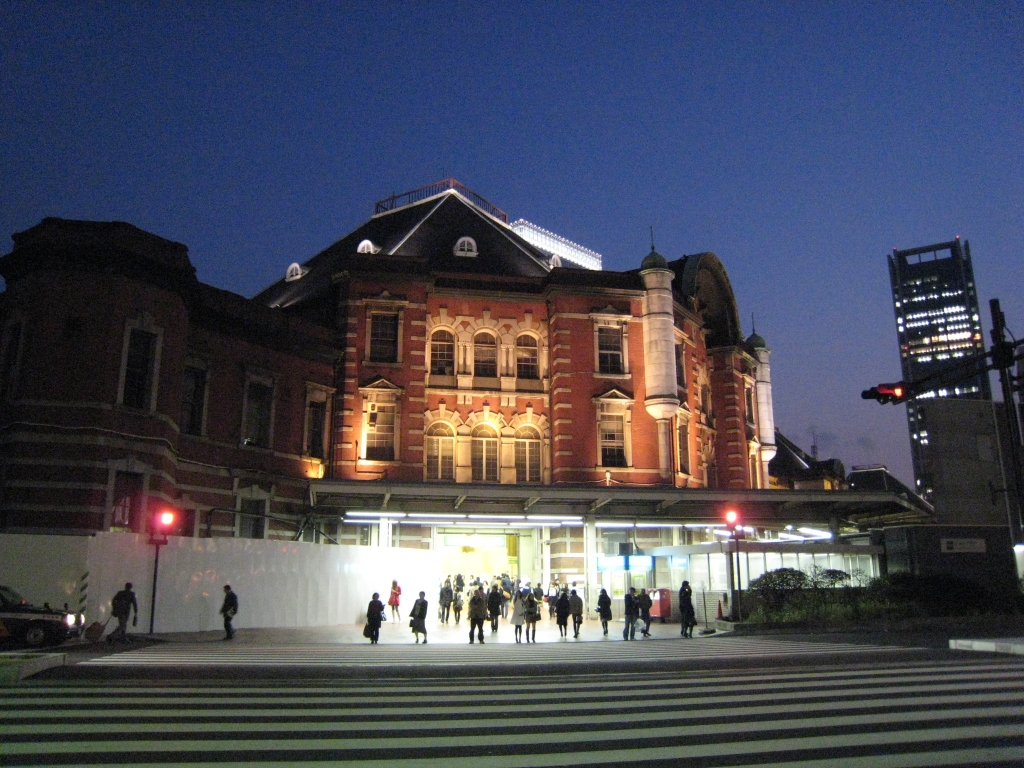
x=367, y=246
x=294, y=272
x=466, y=246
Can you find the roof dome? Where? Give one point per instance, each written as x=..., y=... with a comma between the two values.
x=756, y=342
x=654, y=260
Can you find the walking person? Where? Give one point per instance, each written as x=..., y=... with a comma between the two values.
x=631, y=611
x=120, y=608
x=445, y=601
x=604, y=609
x=576, y=610
x=228, y=611
x=644, y=603
x=531, y=612
x=518, y=615
x=457, y=606
x=418, y=617
x=553, y=592
x=394, y=600
x=562, y=613
x=688, y=617
x=477, y=614
x=460, y=583
x=494, y=606
x=374, y=614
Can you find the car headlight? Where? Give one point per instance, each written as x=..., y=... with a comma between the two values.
x=70, y=619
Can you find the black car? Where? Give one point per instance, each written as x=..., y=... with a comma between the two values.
x=34, y=626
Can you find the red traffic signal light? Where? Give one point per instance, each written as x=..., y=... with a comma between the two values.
x=734, y=523
x=164, y=521
x=886, y=393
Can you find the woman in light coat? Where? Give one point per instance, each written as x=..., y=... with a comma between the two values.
x=518, y=615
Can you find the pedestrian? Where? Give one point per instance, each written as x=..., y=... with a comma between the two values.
x=576, y=609
x=374, y=614
x=460, y=583
x=121, y=608
x=531, y=612
x=604, y=609
x=688, y=617
x=562, y=613
x=445, y=600
x=418, y=617
x=394, y=599
x=631, y=611
x=518, y=615
x=494, y=606
x=552, y=601
x=477, y=614
x=228, y=611
x=644, y=603
x=457, y=606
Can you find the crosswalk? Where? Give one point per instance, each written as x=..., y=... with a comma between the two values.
x=446, y=655
x=896, y=715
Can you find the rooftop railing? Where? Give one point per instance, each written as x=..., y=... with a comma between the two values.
x=407, y=198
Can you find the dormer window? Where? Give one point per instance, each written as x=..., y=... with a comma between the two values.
x=294, y=272
x=367, y=246
x=466, y=246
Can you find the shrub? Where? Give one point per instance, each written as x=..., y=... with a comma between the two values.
x=776, y=587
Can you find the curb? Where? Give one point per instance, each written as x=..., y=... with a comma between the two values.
x=15, y=667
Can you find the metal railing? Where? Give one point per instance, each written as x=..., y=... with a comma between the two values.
x=406, y=198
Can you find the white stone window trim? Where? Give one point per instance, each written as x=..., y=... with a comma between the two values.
x=372, y=397
x=429, y=356
x=611, y=319
x=294, y=272
x=380, y=308
x=367, y=246
x=617, y=405
x=451, y=435
x=465, y=246
x=252, y=493
x=147, y=324
x=204, y=366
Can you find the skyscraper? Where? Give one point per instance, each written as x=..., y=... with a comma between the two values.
x=938, y=324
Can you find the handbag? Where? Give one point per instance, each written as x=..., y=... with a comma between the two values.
x=367, y=632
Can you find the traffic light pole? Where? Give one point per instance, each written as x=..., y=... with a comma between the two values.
x=1002, y=361
x=152, y=601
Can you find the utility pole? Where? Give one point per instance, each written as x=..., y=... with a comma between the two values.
x=1003, y=361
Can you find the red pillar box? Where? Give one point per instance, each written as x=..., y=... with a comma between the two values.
x=662, y=604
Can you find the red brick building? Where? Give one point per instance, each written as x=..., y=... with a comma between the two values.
x=432, y=346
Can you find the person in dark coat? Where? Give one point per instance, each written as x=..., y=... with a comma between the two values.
x=604, y=609
x=644, y=603
x=494, y=606
x=457, y=606
x=562, y=611
x=418, y=617
x=631, y=611
x=228, y=611
x=121, y=608
x=477, y=614
x=531, y=613
x=576, y=609
x=374, y=613
x=688, y=616
x=445, y=601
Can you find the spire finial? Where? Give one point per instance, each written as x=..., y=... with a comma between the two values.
x=652, y=239
x=753, y=323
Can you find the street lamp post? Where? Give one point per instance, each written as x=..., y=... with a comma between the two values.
x=163, y=522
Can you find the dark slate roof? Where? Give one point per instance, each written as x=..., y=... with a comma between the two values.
x=877, y=478
x=418, y=238
x=790, y=461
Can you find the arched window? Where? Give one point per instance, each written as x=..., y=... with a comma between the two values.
x=367, y=246
x=485, y=356
x=527, y=364
x=485, y=454
x=440, y=449
x=527, y=455
x=466, y=246
x=442, y=354
x=294, y=272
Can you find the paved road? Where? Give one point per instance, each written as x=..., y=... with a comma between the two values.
x=894, y=714
x=215, y=653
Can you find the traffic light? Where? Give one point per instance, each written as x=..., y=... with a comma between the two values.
x=886, y=393
x=164, y=524
x=734, y=523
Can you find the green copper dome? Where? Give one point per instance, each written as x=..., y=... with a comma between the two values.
x=653, y=260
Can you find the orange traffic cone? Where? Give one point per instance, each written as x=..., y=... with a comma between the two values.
x=719, y=609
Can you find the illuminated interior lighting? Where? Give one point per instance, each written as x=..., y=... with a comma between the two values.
x=436, y=515
x=718, y=532
x=658, y=525
x=560, y=518
x=613, y=524
x=815, y=532
x=704, y=525
x=376, y=514
x=497, y=517
x=791, y=537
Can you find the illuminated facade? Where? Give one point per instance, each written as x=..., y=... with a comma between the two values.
x=938, y=324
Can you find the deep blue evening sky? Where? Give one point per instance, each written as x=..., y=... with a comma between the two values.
x=800, y=142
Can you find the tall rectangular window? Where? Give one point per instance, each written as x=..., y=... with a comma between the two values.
x=485, y=459
x=380, y=432
x=526, y=358
x=251, y=520
x=259, y=401
x=126, y=510
x=749, y=393
x=138, y=370
x=527, y=461
x=9, y=364
x=316, y=421
x=193, y=399
x=609, y=349
x=440, y=452
x=684, y=446
x=384, y=337
x=681, y=366
x=613, y=440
